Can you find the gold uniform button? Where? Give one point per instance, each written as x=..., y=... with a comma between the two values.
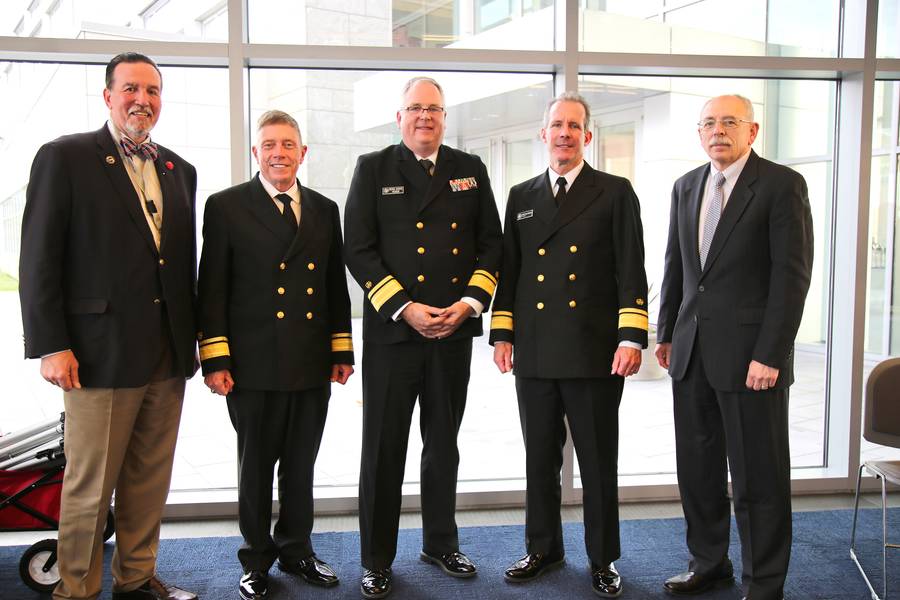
x=280, y=291
x=368, y=285
x=282, y=266
x=571, y=304
x=280, y=314
x=421, y=250
x=540, y=306
x=453, y=225
x=541, y=252
x=162, y=261
x=573, y=249
x=309, y=291
x=455, y=251
x=308, y=316
x=420, y=278
x=311, y=266
x=454, y=280
x=572, y=277
x=540, y=277
x=420, y=225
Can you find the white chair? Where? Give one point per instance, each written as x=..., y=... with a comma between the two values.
x=882, y=426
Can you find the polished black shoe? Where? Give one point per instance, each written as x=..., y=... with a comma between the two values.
x=531, y=566
x=689, y=583
x=606, y=581
x=155, y=589
x=254, y=585
x=455, y=564
x=376, y=583
x=312, y=570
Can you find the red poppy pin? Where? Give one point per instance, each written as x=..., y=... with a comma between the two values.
x=170, y=165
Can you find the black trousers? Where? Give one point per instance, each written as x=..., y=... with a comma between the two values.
x=394, y=376
x=750, y=430
x=591, y=407
x=283, y=427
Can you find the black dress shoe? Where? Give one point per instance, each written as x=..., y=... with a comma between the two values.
x=690, y=582
x=155, y=589
x=455, y=564
x=376, y=583
x=312, y=570
x=254, y=585
x=531, y=566
x=606, y=581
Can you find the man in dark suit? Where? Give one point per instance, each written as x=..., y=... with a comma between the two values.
x=423, y=241
x=737, y=270
x=106, y=281
x=572, y=302
x=275, y=331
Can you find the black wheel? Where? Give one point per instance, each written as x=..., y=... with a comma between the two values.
x=38, y=567
x=110, y=528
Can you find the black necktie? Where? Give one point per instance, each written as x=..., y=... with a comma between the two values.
x=428, y=166
x=288, y=213
x=561, y=193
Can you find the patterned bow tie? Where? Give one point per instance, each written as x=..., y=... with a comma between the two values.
x=147, y=150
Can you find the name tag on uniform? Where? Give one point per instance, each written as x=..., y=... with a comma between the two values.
x=525, y=214
x=463, y=184
x=392, y=191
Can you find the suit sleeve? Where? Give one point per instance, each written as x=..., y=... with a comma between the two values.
x=791, y=251
x=338, y=297
x=213, y=289
x=381, y=287
x=502, y=323
x=631, y=279
x=670, y=293
x=488, y=243
x=45, y=222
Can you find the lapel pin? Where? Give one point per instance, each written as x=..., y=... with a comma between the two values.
x=110, y=160
x=170, y=165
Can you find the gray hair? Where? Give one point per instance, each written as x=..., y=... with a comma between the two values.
x=419, y=79
x=278, y=117
x=569, y=97
x=748, y=105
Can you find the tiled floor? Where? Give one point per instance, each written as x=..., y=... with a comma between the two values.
x=490, y=440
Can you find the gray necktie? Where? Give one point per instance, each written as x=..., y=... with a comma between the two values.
x=713, y=213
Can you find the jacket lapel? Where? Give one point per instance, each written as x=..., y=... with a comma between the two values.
x=108, y=155
x=737, y=203
x=544, y=203
x=585, y=190
x=694, y=195
x=171, y=212
x=264, y=210
x=445, y=167
x=308, y=223
x=411, y=171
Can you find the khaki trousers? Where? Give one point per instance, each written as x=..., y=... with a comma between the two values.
x=120, y=439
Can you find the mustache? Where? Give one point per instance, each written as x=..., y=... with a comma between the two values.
x=719, y=139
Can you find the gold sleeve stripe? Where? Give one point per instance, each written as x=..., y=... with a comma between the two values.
x=633, y=321
x=484, y=280
x=505, y=313
x=633, y=311
x=384, y=291
x=213, y=340
x=208, y=351
x=341, y=342
x=502, y=320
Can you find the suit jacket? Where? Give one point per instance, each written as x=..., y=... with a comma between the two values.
x=274, y=307
x=90, y=276
x=747, y=303
x=573, y=281
x=411, y=237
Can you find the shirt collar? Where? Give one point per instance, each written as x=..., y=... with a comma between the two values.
x=118, y=135
x=571, y=176
x=432, y=157
x=293, y=191
x=732, y=171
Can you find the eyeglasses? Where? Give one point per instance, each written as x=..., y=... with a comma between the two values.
x=727, y=123
x=417, y=109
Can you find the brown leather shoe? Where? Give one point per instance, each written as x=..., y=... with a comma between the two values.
x=691, y=582
x=155, y=589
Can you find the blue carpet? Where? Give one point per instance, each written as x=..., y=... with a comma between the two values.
x=651, y=551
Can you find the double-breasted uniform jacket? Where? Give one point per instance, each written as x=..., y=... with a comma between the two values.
x=748, y=301
x=411, y=237
x=573, y=281
x=274, y=306
x=91, y=278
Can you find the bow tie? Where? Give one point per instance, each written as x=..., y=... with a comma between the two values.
x=147, y=150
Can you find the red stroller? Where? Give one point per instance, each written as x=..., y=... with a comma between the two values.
x=31, y=474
